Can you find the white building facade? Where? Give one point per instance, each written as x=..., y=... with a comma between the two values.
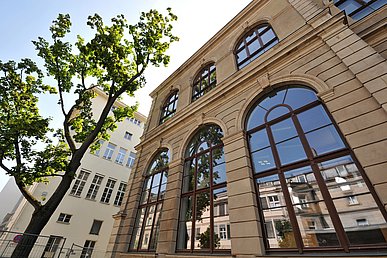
x=84, y=217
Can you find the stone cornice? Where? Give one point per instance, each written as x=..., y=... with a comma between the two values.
x=294, y=42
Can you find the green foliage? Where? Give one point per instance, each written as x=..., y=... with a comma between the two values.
x=22, y=127
x=116, y=57
x=204, y=239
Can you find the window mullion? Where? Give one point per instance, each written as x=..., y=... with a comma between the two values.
x=288, y=201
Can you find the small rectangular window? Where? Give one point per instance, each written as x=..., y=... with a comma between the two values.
x=273, y=201
x=63, y=217
x=88, y=248
x=128, y=136
x=79, y=183
x=107, y=193
x=131, y=158
x=94, y=187
x=120, y=194
x=362, y=222
x=109, y=151
x=96, y=227
x=121, y=156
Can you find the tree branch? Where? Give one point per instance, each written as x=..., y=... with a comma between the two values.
x=52, y=175
x=31, y=199
x=66, y=128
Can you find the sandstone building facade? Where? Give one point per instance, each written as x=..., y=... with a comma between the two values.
x=270, y=140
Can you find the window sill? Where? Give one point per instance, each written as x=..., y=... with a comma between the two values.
x=62, y=222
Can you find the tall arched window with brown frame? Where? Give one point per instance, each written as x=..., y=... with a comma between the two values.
x=312, y=191
x=147, y=224
x=203, y=221
x=204, y=81
x=254, y=43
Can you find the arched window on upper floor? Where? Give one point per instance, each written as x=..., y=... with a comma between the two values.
x=204, y=222
x=169, y=108
x=358, y=9
x=313, y=193
x=254, y=43
x=147, y=223
x=204, y=81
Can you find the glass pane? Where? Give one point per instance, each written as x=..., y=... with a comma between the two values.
x=363, y=222
x=275, y=98
x=148, y=182
x=267, y=36
x=277, y=112
x=186, y=208
x=283, y=229
x=221, y=219
x=263, y=160
x=164, y=178
x=254, y=46
x=202, y=240
x=362, y=13
x=259, y=140
x=298, y=97
x=144, y=197
x=343, y=179
x=315, y=225
x=203, y=171
x=189, y=167
x=156, y=180
x=256, y=118
x=270, y=192
x=242, y=55
x=291, y=151
x=302, y=186
x=313, y=118
x=155, y=231
x=202, y=205
x=188, y=179
x=153, y=194
x=135, y=238
x=324, y=140
x=250, y=36
x=219, y=173
x=184, y=235
x=163, y=189
x=283, y=130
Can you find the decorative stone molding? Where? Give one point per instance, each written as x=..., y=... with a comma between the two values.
x=264, y=81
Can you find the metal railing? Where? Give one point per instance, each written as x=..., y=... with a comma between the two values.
x=43, y=247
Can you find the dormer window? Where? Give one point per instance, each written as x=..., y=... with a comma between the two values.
x=254, y=43
x=204, y=81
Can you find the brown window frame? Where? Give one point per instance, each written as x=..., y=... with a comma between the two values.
x=312, y=161
x=363, y=5
x=166, y=113
x=149, y=177
x=243, y=44
x=194, y=192
x=200, y=80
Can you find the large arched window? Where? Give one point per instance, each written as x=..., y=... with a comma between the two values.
x=203, y=220
x=169, y=108
x=358, y=9
x=312, y=192
x=254, y=43
x=204, y=81
x=147, y=224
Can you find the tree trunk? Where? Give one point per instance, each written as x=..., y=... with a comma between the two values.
x=37, y=223
x=42, y=215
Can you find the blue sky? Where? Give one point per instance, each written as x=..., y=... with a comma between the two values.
x=22, y=21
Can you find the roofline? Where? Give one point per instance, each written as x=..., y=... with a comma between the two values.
x=223, y=31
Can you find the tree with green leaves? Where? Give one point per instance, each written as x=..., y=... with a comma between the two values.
x=116, y=57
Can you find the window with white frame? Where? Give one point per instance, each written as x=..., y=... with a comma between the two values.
x=107, y=193
x=98, y=151
x=88, y=248
x=79, y=183
x=65, y=218
x=274, y=201
x=362, y=222
x=128, y=136
x=109, y=151
x=222, y=232
x=120, y=194
x=94, y=187
x=121, y=156
x=352, y=200
x=131, y=158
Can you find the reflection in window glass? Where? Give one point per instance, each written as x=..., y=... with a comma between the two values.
x=358, y=9
x=146, y=228
x=204, y=81
x=169, y=108
x=204, y=203
x=309, y=187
